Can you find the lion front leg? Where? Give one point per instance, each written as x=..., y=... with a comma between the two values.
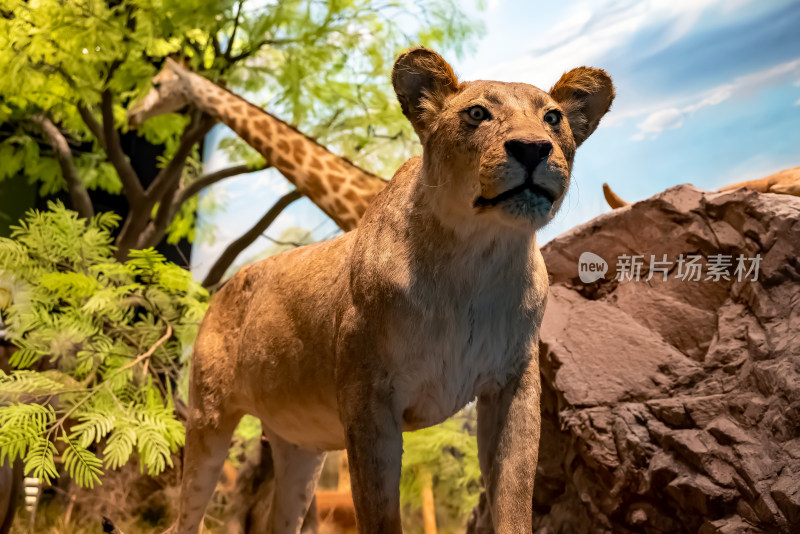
x=373, y=433
x=509, y=422
x=375, y=447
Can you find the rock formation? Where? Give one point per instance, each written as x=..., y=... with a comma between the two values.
x=674, y=406
x=668, y=406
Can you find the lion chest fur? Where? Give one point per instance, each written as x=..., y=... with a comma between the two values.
x=452, y=316
x=465, y=338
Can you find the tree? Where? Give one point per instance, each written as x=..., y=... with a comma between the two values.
x=111, y=321
x=72, y=68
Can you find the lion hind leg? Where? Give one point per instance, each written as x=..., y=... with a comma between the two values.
x=204, y=454
x=296, y=473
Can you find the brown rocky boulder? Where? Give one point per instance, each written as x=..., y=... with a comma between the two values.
x=674, y=406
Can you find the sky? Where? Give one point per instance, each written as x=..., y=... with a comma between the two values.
x=708, y=93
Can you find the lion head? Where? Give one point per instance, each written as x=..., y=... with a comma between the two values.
x=496, y=150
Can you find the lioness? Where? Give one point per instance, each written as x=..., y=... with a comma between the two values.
x=435, y=299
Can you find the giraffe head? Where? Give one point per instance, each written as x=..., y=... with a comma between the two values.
x=166, y=96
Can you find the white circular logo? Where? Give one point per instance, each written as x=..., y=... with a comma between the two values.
x=591, y=267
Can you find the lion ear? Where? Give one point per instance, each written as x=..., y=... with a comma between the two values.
x=420, y=76
x=585, y=94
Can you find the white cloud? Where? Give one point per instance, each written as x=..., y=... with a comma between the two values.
x=672, y=118
x=716, y=96
x=672, y=115
x=797, y=103
x=218, y=160
x=268, y=183
x=657, y=122
x=755, y=81
x=590, y=31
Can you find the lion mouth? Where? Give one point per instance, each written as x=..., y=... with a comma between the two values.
x=483, y=202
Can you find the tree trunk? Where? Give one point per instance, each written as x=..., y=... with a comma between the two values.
x=428, y=507
x=343, y=485
x=10, y=484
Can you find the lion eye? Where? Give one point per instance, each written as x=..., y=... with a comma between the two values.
x=477, y=114
x=552, y=117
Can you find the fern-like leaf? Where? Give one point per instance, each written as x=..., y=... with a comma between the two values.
x=81, y=464
x=39, y=462
x=31, y=384
x=94, y=426
x=119, y=447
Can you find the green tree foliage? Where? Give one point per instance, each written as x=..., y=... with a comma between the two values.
x=100, y=345
x=79, y=65
x=449, y=452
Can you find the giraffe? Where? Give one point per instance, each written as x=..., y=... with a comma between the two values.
x=337, y=186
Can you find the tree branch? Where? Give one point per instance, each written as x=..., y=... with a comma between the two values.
x=204, y=181
x=86, y=114
x=229, y=51
x=130, y=181
x=196, y=47
x=282, y=243
x=93, y=124
x=316, y=32
x=263, y=42
x=77, y=191
x=225, y=260
x=173, y=200
x=169, y=176
x=157, y=228
x=166, y=183
x=139, y=230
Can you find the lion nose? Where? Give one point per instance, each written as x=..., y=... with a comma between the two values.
x=529, y=153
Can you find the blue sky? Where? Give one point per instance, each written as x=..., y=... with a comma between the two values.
x=708, y=93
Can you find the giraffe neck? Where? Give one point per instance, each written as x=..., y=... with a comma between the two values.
x=340, y=189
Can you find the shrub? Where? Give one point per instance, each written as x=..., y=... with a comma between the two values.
x=101, y=348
